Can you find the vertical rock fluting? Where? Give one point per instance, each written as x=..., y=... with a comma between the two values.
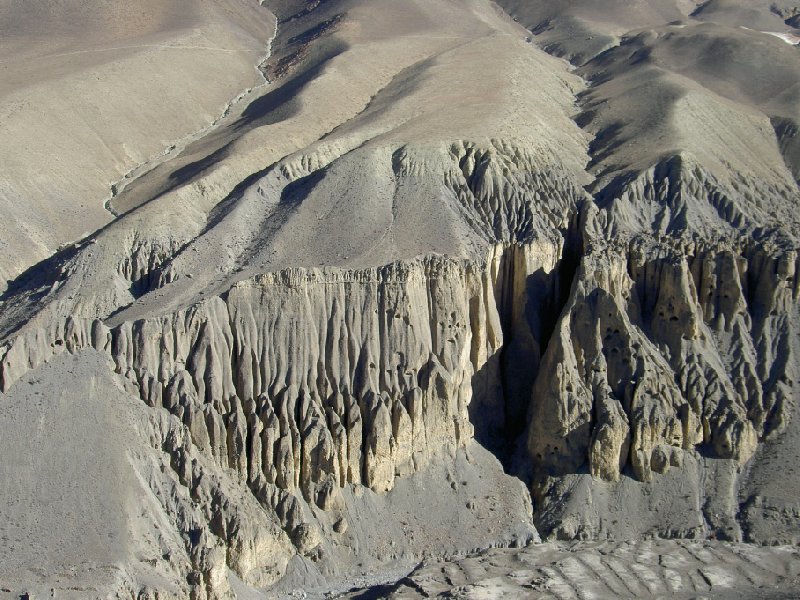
x=298, y=383
x=301, y=382
x=618, y=355
x=601, y=356
x=661, y=349
x=311, y=380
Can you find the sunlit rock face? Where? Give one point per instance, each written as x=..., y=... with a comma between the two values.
x=425, y=288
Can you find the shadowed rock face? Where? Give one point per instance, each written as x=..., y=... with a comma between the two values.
x=430, y=287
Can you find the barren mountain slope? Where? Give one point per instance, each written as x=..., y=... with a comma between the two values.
x=427, y=288
x=91, y=89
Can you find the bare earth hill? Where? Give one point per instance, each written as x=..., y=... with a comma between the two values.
x=399, y=298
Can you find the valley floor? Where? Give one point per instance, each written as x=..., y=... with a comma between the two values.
x=584, y=570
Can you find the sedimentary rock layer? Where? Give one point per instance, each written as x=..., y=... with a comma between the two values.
x=324, y=308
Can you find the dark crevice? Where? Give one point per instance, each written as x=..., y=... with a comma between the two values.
x=529, y=306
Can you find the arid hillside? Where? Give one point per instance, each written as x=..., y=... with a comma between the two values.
x=408, y=298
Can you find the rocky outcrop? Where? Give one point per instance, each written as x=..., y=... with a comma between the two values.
x=311, y=380
x=605, y=355
x=678, y=194
x=509, y=193
x=663, y=348
x=300, y=383
x=220, y=528
x=321, y=303
x=307, y=380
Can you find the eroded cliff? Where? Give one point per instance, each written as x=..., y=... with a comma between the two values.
x=327, y=318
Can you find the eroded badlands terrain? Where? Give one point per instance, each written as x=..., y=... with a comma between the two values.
x=372, y=297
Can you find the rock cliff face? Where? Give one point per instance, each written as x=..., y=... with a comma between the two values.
x=301, y=383
x=663, y=349
x=622, y=357
x=323, y=315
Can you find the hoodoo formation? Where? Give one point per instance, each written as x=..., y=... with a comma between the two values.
x=399, y=298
